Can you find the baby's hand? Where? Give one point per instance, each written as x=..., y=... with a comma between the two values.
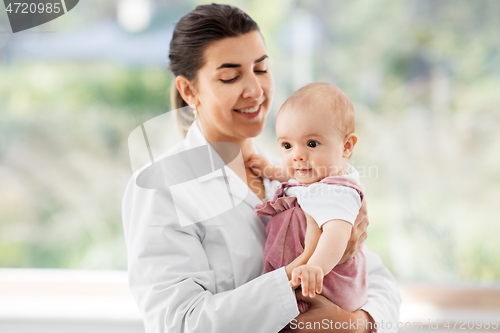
x=258, y=164
x=309, y=277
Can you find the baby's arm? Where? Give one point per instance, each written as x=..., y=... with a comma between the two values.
x=328, y=252
x=331, y=244
x=261, y=167
x=313, y=233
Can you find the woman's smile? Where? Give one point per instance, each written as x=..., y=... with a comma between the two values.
x=250, y=112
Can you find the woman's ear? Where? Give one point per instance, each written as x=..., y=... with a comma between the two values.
x=187, y=91
x=349, y=143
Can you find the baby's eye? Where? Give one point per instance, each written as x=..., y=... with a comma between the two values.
x=313, y=144
x=286, y=145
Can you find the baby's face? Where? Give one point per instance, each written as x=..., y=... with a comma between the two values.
x=311, y=143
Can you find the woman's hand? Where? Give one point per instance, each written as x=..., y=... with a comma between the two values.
x=260, y=166
x=326, y=314
x=358, y=234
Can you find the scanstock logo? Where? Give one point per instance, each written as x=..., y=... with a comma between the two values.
x=26, y=14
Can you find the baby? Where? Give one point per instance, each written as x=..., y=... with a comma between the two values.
x=320, y=196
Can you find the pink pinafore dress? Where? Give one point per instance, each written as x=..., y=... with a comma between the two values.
x=346, y=285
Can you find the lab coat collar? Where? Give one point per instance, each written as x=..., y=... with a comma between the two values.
x=195, y=138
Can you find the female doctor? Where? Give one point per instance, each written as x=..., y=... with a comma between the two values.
x=207, y=276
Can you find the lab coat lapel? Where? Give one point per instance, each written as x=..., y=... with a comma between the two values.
x=243, y=230
x=195, y=138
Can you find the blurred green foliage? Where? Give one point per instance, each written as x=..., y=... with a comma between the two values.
x=64, y=159
x=423, y=76
x=71, y=88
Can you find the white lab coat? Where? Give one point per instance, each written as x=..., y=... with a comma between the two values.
x=209, y=277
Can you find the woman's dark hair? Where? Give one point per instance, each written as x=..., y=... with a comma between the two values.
x=192, y=35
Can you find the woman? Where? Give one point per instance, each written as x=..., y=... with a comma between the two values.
x=208, y=276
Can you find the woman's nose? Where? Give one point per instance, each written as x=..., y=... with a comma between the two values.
x=253, y=88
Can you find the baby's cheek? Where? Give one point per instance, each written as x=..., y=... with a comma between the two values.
x=321, y=171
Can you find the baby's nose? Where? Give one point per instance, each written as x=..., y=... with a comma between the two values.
x=298, y=156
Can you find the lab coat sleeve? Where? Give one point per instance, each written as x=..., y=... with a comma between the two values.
x=384, y=300
x=174, y=287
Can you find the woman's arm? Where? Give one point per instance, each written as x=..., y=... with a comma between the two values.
x=175, y=287
x=336, y=319
x=384, y=300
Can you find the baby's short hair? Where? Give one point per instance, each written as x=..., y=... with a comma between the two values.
x=331, y=97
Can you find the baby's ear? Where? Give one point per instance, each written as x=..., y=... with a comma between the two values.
x=349, y=143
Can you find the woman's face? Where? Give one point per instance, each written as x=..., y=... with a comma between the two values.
x=234, y=88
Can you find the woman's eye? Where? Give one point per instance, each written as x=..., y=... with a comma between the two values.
x=230, y=80
x=286, y=145
x=313, y=144
x=263, y=71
